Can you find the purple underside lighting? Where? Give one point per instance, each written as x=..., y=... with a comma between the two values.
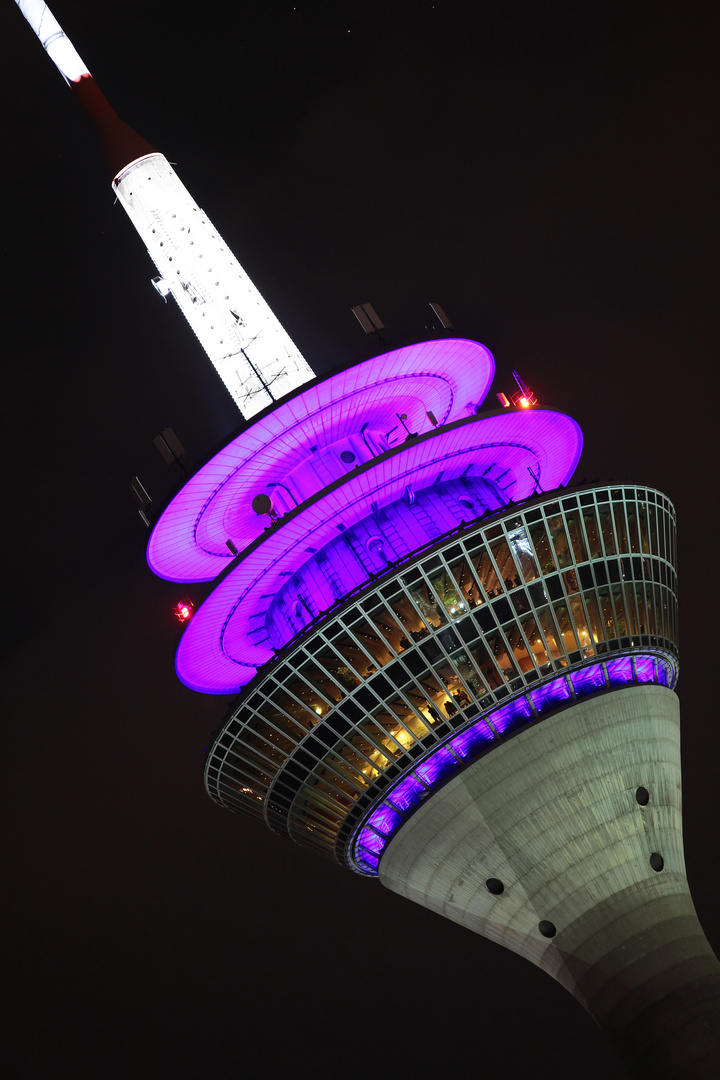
x=619, y=671
x=644, y=668
x=447, y=378
x=408, y=793
x=550, y=694
x=217, y=653
x=470, y=742
x=441, y=765
x=511, y=715
x=588, y=680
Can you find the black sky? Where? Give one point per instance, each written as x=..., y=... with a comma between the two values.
x=547, y=172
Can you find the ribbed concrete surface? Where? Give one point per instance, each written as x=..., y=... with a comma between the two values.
x=553, y=815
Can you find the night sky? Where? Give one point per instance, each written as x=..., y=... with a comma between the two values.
x=547, y=172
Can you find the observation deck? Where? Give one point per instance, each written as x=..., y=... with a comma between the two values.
x=493, y=628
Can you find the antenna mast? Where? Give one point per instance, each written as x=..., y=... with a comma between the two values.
x=250, y=350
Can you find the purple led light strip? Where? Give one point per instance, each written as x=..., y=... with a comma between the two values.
x=373, y=835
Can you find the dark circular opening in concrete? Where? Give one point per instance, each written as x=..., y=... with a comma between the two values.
x=657, y=862
x=495, y=886
x=347, y=456
x=643, y=796
x=546, y=928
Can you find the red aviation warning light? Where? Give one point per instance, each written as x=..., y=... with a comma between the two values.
x=183, y=610
x=523, y=398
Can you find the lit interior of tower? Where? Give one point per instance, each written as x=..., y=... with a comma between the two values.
x=451, y=670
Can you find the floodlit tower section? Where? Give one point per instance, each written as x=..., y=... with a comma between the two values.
x=252, y=353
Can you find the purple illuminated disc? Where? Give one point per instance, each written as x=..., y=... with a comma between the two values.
x=448, y=378
x=220, y=652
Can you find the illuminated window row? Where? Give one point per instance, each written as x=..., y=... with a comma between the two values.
x=459, y=631
x=446, y=761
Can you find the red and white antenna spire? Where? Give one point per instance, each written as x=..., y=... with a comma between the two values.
x=254, y=356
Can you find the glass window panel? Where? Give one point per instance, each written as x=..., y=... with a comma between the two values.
x=457, y=696
x=328, y=797
x=427, y=604
x=620, y=617
x=369, y=638
x=571, y=581
x=258, y=771
x=649, y=607
x=607, y=528
x=370, y=751
x=543, y=552
x=339, y=783
x=309, y=697
x=631, y=617
x=592, y=531
x=633, y=527
x=550, y=632
x=556, y=528
x=645, y=669
x=348, y=764
x=338, y=667
x=485, y=664
x=503, y=658
x=371, y=841
x=271, y=712
x=505, y=563
x=356, y=657
x=381, y=738
x=596, y=624
x=461, y=660
x=523, y=655
x=400, y=708
x=382, y=618
x=639, y=594
x=537, y=646
x=487, y=574
x=352, y=757
x=294, y=709
x=607, y=614
x=437, y=697
x=620, y=528
x=575, y=529
x=318, y=678
x=448, y=592
x=469, y=591
x=643, y=517
x=392, y=730
x=385, y=818
x=523, y=552
x=274, y=737
x=408, y=617
x=652, y=513
x=578, y=617
x=565, y=625
x=441, y=764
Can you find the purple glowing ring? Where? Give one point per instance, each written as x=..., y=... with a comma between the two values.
x=216, y=653
x=448, y=378
x=398, y=803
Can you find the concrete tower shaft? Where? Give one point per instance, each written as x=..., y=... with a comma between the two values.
x=565, y=846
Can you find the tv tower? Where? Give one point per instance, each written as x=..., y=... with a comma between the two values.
x=452, y=672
